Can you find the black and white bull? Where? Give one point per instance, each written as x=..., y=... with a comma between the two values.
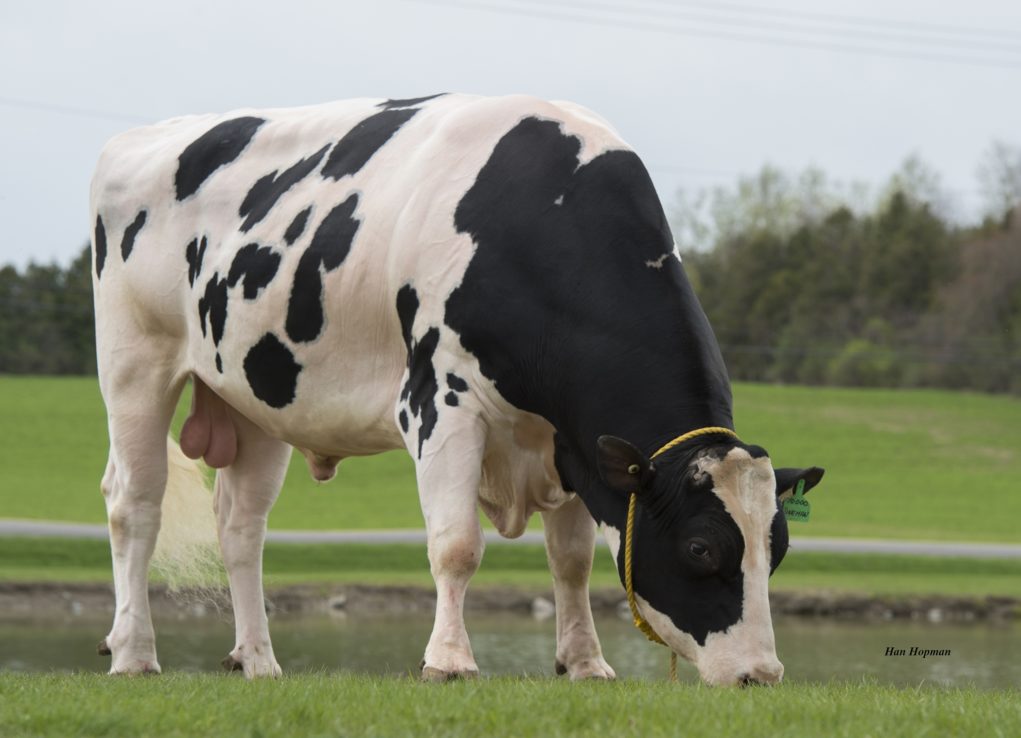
x=489, y=283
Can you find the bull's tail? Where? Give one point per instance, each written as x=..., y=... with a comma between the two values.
x=186, y=553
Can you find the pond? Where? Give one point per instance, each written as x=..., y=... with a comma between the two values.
x=812, y=649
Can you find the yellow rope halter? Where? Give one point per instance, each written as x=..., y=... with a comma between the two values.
x=641, y=623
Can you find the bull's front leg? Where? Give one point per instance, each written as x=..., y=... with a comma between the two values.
x=570, y=543
x=449, y=472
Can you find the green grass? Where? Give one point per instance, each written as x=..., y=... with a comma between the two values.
x=341, y=705
x=921, y=464
x=899, y=464
x=37, y=559
x=52, y=464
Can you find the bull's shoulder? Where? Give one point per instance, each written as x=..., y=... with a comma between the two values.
x=481, y=118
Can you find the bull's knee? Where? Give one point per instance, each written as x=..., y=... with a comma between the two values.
x=134, y=519
x=457, y=557
x=572, y=570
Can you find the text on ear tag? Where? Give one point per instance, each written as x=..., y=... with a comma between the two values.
x=797, y=508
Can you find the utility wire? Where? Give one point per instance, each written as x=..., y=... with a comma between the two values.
x=720, y=17
x=832, y=18
x=660, y=27
x=46, y=107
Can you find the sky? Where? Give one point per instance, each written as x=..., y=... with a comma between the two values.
x=704, y=91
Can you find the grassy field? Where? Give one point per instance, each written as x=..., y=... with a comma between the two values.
x=341, y=705
x=900, y=464
x=26, y=559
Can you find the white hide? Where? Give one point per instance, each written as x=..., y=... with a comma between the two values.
x=347, y=403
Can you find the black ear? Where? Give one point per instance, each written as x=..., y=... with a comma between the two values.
x=622, y=466
x=787, y=479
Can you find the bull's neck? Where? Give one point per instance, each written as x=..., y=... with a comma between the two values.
x=654, y=379
x=649, y=388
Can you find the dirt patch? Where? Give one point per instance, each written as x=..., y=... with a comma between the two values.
x=35, y=600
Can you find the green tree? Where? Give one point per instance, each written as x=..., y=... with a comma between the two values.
x=46, y=319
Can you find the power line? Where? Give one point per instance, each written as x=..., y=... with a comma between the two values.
x=660, y=27
x=47, y=107
x=700, y=13
x=874, y=21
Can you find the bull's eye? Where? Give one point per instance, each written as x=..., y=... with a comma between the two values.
x=698, y=549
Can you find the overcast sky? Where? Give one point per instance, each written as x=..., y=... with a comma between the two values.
x=704, y=91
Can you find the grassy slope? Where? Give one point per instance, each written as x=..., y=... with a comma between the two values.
x=89, y=561
x=899, y=463
x=320, y=704
x=903, y=464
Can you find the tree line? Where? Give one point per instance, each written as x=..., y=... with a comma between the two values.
x=46, y=318
x=804, y=285
x=803, y=282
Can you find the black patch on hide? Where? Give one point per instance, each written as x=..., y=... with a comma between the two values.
x=256, y=266
x=265, y=193
x=328, y=249
x=194, y=253
x=272, y=372
x=360, y=143
x=407, y=308
x=422, y=386
x=456, y=383
x=408, y=102
x=99, y=246
x=213, y=305
x=131, y=233
x=297, y=226
x=220, y=145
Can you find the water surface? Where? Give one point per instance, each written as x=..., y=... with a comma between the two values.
x=812, y=650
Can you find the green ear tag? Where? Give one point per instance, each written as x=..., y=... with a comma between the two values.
x=797, y=507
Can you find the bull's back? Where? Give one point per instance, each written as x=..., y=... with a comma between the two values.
x=264, y=250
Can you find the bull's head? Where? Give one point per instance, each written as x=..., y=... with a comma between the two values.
x=708, y=532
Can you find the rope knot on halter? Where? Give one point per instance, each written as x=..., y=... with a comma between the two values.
x=640, y=622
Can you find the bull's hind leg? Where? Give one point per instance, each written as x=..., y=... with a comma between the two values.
x=449, y=473
x=570, y=543
x=139, y=406
x=245, y=492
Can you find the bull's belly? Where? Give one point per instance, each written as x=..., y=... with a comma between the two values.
x=336, y=419
x=356, y=418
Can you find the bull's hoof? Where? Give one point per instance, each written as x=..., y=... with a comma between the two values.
x=232, y=664
x=587, y=670
x=259, y=666
x=559, y=668
x=140, y=668
x=432, y=674
x=102, y=649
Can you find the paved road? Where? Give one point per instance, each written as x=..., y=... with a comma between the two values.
x=832, y=545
